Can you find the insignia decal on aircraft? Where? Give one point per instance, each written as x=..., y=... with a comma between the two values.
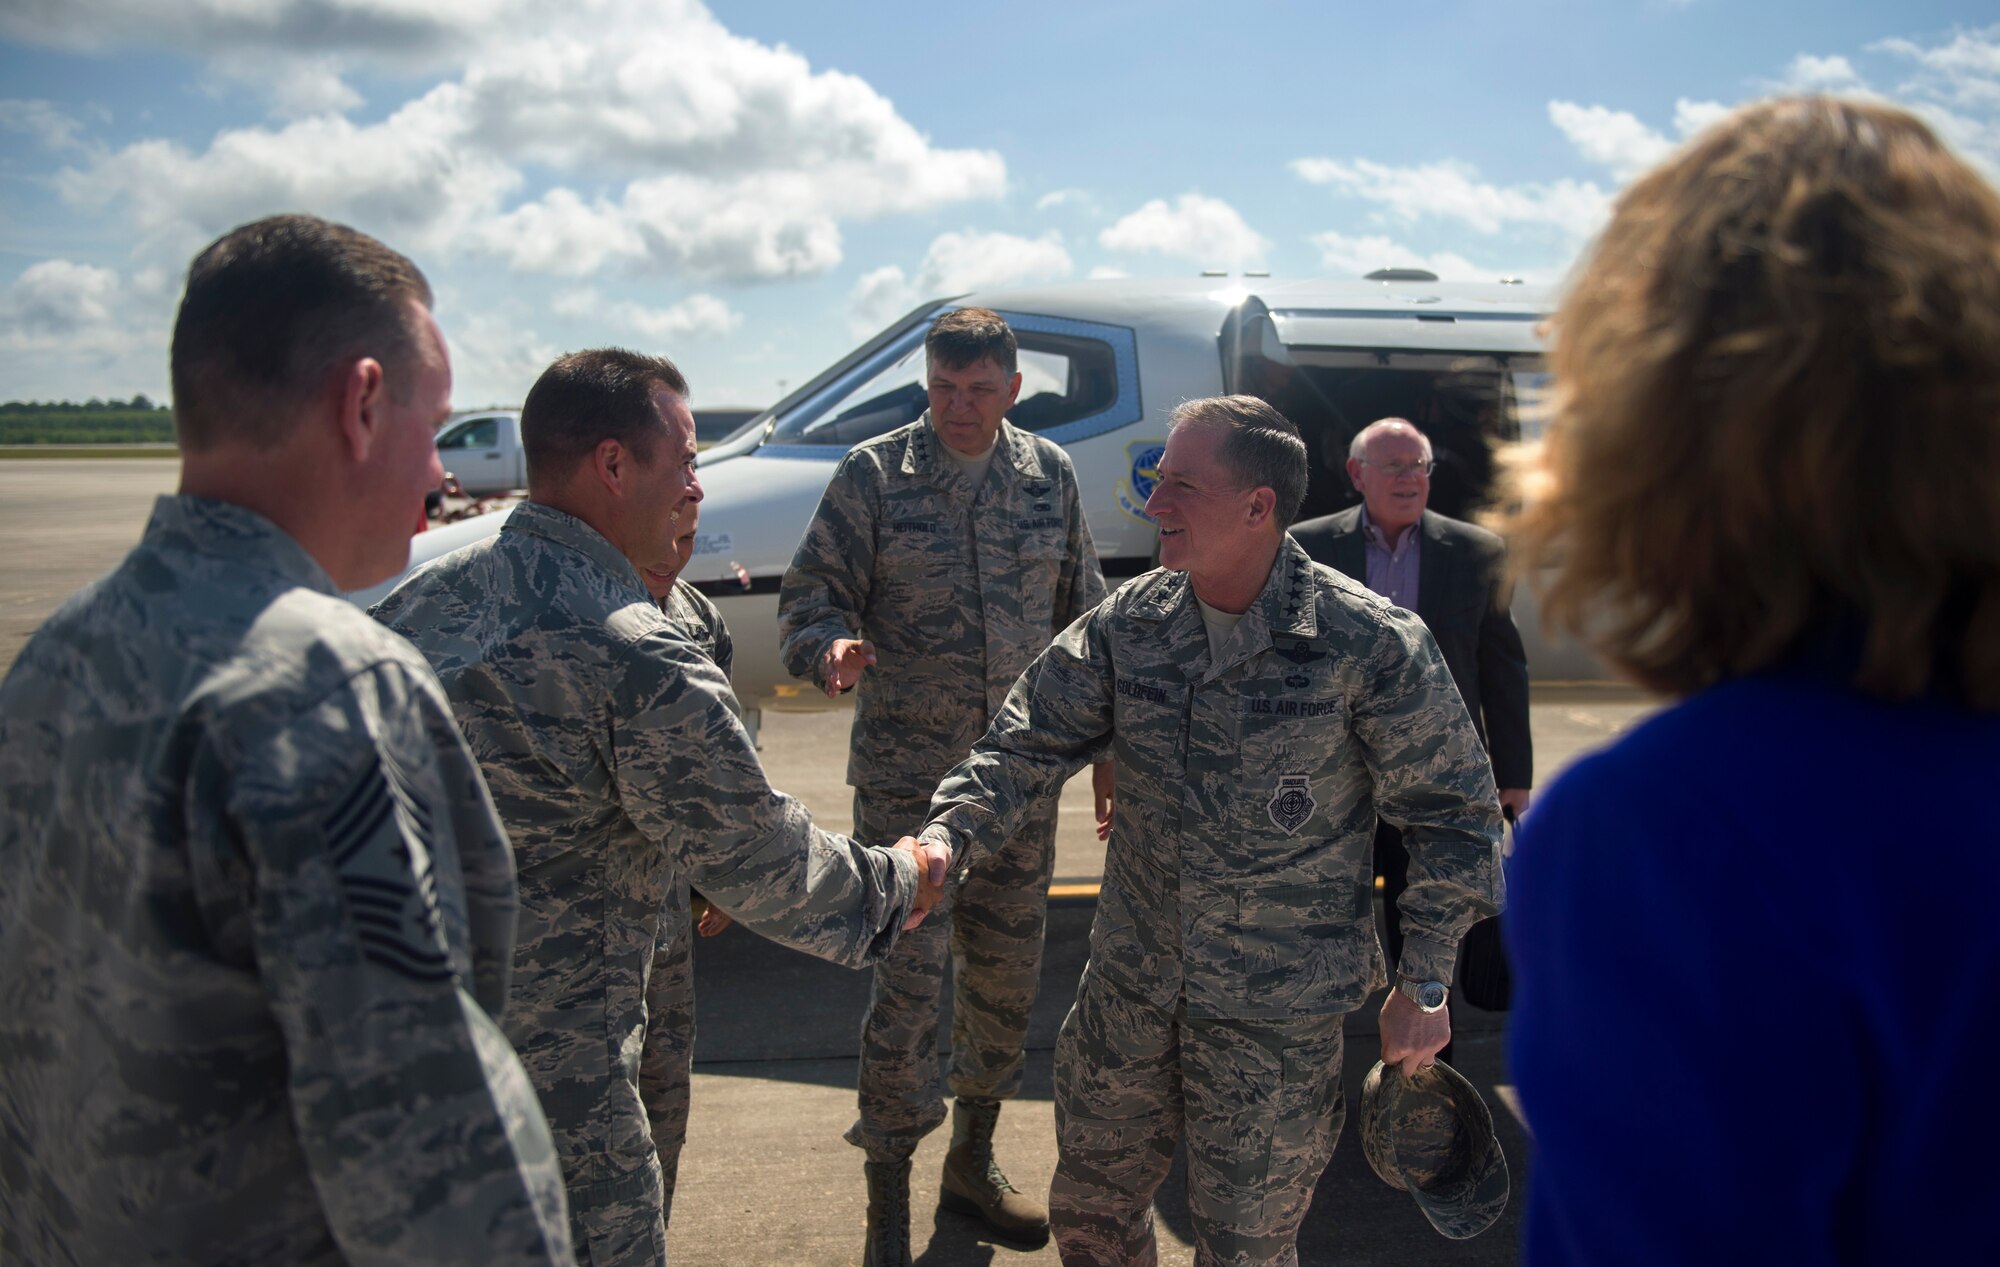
x=1144, y=457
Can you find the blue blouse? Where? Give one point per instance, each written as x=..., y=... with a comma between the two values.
x=1757, y=985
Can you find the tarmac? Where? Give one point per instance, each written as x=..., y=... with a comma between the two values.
x=766, y=1177
x=774, y=1067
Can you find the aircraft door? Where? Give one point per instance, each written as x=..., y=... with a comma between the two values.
x=1334, y=373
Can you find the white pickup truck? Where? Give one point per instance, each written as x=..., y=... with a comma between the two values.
x=484, y=451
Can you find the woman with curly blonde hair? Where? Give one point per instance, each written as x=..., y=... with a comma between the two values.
x=1757, y=964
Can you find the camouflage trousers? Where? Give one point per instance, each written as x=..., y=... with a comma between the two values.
x=1261, y=1105
x=666, y=1062
x=616, y=1222
x=990, y=924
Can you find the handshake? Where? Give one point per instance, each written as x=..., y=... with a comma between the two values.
x=933, y=864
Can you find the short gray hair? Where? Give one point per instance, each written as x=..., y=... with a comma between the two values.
x=1358, y=449
x=1261, y=447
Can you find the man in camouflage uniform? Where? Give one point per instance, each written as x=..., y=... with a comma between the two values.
x=255, y=905
x=1262, y=711
x=665, y=1066
x=945, y=554
x=622, y=772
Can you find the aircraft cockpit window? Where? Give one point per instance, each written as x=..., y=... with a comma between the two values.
x=1064, y=378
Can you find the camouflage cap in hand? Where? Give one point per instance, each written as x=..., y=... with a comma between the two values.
x=1432, y=1136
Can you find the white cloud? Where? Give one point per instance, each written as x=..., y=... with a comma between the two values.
x=954, y=264
x=1452, y=191
x=697, y=316
x=58, y=298
x=1968, y=53
x=298, y=87
x=1061, y=197
x=1618, y=140
x=1810, y=73
x=1345, y=256
x=1965, y=71
x=1611, y=138
x=683, y=147
x=559, y=234
x=406, y=179
x=881, y=295
x=1691, y=117
x=70, y=331
x=52, y=127
x=1206, y=231
x=1106, y=273
x=1955, y=88
x=494, y=357
x=768, y=227
x=396, y=28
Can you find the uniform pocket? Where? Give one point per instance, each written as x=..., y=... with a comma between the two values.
x=1286, y=741
x=1311, y=1110
x=617, y=1223
x=1038, y=564
x=1303, y=949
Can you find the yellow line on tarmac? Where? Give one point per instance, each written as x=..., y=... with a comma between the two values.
x=1090, y=890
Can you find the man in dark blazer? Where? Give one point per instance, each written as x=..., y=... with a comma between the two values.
x=1453, y=575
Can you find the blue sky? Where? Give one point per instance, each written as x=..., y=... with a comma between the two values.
x=751, y=186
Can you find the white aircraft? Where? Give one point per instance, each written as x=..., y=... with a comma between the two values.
x=1103, y=363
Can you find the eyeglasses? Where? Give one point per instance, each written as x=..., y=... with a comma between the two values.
x=1397, y=470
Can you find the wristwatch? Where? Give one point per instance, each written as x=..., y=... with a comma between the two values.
x=1429, y=996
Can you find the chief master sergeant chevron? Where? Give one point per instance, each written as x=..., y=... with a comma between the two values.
x=621, y=770
x=951, y=550
x=1262, y=711
x=255, y=906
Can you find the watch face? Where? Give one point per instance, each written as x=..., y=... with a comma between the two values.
x=1430, y=995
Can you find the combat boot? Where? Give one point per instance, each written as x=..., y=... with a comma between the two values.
x=974, y=1185
x=888, y=1214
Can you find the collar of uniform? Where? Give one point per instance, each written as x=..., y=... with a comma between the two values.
x=921, y=456
x=1288, y=601
x=566, y=529
x=1284, y=610
x=920, y=448
x=1021, y=450
x=239, y=535
x=1168, y=598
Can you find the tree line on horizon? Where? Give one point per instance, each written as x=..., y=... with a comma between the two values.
x=95, y=421
x=140, y=403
